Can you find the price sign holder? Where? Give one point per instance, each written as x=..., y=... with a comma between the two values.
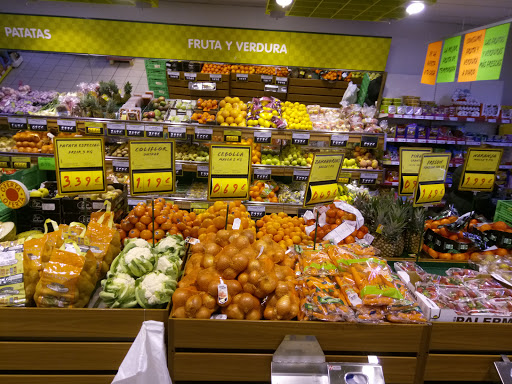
x=177, y=133
x=215, y=77
x=134, y=130
x=116, y=129
x=300, y=175
x=323, y=178
x=300, y=138
x=339, y=140
x=17, y=123
x=256, y=211
x=410, y=159
x=153, y=131
x=80, y=165
x=66, y=126
x=262, y=173
x=203, y=134
x=231, y=136
x=94, y=128
x=262, y=137
x=202, y=171
x=480, y=167
x=369, y=141
x=242, y=77
x=179, y=169
x=266, y=79
x=121, y=166
x=5, y=161
x=38, y=125
x=344, y=177
x=368, y=178
x=430, y=188
x=230, y=172
x=190, y=76
x=18, y=162
x=152, y=168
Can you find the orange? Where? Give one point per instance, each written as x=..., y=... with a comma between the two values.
x=448, y=256
x=296, y=239
x=140, y=226
x=500, y=226
x=145, y=234
x=349, y=239
x=161, y=219
x=159, y=234
x=485, y=227
x=134, y=233
x=146, y=220
x=501, y=252
x=433, y=253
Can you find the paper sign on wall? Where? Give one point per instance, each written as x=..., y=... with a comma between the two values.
x=471, y=53
x=493, y=52
x=480, y=169
x=431, y=63
x=449, y=59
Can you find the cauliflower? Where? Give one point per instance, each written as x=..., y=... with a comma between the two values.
x=169, y=266
x=141, y=243
x=171, y=245
x=154, y=290
x=138, y=261
x=118, y=291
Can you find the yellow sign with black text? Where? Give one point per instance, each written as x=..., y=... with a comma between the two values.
x=231, y=45
x=410, y=160
x=430, y=188
x=80, y=165
x=323, y=178
x=229, y=176
x=480, y=167
x=152, y=168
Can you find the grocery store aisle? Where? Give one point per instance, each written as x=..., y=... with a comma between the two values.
x=62, y=72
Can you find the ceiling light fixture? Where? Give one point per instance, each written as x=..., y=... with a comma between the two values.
x=284, y=3
x=415, y=7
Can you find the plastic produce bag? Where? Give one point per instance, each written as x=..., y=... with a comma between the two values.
x=350, y=95
x=146, y=361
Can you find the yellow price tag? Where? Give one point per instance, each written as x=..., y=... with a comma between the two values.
x=408, y=185
x=478, y=181
x=229, y=188
x=93, y=128
x=323, y=193
x=430, y=193
x=81, y=181
x=152, y=182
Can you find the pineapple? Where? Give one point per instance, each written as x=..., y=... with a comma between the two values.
x=96, y=109
x=87, y=104
x=415, y=230
x=104, y=93
x=127, y=91
x=111, y=109
x=114, y=91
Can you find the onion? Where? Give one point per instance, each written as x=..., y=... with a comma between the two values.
x=283, y=306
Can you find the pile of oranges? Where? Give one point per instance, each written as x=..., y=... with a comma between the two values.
x=232, y=112
x=331, y=75
x=226, y=69
x=282, y=71
x=255, y=150
x=497, y=226
x=284, y=230
x=202, y=118
x=221, y=69
x=264, y=191
x=207, y=105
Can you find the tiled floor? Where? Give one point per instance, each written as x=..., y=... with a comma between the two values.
x=62, y=72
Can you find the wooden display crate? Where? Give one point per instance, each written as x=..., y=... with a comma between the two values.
x=323, y=92
x=87, y=345
x=466, y=352
x=232, y=350
x=178, y=89
x=253, y=87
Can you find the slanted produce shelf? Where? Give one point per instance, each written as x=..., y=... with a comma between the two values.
x=88, y=344
x=233, y=350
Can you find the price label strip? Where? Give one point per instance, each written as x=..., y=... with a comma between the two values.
x=173, y=75
x=323, y=179
x=203, y=134
x=368, y=178
x=121, y=166
x=242, y=77
x=480, y=167
x=339, y=140
x=369, y=141
x=262, y=173
x=152, y=168
x=94, y=128
x=430, y=187
x=410, y=160
x=230, y=172
x=256, y=211
x=80, y=165
x=231, y=136
x=179, y=169
x=116, y=129
x=17, y=123
x=134, y=130
x=190, y=76
x=177, y=133
x=38, y=125
x=154, y=131
x=300, y=175
x=203, y=171
x=215, y=77
x=300, y=138
x=20, y=162
x=266, y=79
x=344, y=177
x=5, y=161
x=67, y=126
x=281, y=80
x=263, y=137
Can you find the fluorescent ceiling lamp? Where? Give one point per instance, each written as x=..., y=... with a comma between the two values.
x=415, y=7
x=284, y=3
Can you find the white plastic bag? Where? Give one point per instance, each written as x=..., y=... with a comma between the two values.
x=350, y=95
x=146, y=360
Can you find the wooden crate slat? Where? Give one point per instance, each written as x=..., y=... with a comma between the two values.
x=314, y=99
x=256, y=367
x=317, y=83
x=461, y=367
x=75, y=323
x=267, y=335
x=334, y=92
x=247, y=85
x=62, y=356
x=471, y=337
x=57, y=379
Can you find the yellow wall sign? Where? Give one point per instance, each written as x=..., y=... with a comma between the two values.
x=431, y=63
x=431, y=177
x=152, y=168
x=80, y=165
x=230, y=172
x=410, y=160
x=471, y=53
x=480, y=169
x=14, y=194
x=323, y=178
x=251, y=46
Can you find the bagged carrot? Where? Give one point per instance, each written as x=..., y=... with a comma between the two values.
x=316, y=263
